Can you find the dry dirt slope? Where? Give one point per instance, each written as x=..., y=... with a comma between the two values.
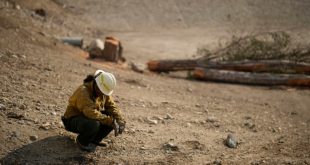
x=38, y=74
x=134, y=15
x=176, y=27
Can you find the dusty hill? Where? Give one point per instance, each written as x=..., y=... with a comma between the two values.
x=175, y=28
x=39, y=73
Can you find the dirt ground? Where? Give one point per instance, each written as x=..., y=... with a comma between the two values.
x=39, y=73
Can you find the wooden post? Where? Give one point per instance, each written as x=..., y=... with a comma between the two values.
x=273, y=66
x=171, y=65
x=251, y=78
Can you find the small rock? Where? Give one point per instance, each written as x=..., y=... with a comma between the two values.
x=60, y=125
x=15, y=134
x=281, y=140
x=36, y=121
x=189, y=89
x=288, y=162
x=4, y=100
x=257, y=162
x=33, y=137
x=142, y=148
x=202, y=122
x=196, y=121
x=158, y=118
x=209, y=163
x=168, y=116
x=17, y=7
x=130, y=130
x=140, y=120
x=217, y=162
x=151, y=131
x=249, y=125
x=170, y=146
x=40, y=12
x=48, y=68
x=2, y=107
x=14, y=115
x=165, y=102
x=211, y=119
x=152, y=121
x=23, y=107
x=217, y=125
x=231, y=141
x=22, y=122
x=45, y=126
x=87, y=64
x=138, y=67
x=188, y=124
x=53, y=113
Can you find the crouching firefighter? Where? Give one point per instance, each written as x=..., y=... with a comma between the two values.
x=92, y=113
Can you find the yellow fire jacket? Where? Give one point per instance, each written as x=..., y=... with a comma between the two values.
x=82, y=102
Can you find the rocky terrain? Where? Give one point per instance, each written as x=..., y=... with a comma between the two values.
x=170, y=119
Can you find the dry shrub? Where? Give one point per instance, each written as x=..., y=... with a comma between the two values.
x=266, y=46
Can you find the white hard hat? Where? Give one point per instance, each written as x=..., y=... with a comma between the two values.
x=105, y=81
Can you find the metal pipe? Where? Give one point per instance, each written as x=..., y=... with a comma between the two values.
x=75, y=41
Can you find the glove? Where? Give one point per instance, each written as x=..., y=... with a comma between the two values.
x=121, y=126
x=118, y=127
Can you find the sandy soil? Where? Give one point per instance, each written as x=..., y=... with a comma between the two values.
x=39, y=73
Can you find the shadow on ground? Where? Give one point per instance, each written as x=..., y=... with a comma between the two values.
x=51, y=150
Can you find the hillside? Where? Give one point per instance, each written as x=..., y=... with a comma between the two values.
x=39, y=73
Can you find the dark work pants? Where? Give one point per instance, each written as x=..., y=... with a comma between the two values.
x=88, y=130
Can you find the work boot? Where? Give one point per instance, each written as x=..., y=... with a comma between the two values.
x=100, y=144
x=89, y=148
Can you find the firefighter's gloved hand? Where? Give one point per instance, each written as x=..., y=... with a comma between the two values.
x=116, y=128
x=121, y=126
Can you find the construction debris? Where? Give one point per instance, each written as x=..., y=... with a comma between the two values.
x=95, y=48
x=74, y=41
x=113, y=50
x=110, y=50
